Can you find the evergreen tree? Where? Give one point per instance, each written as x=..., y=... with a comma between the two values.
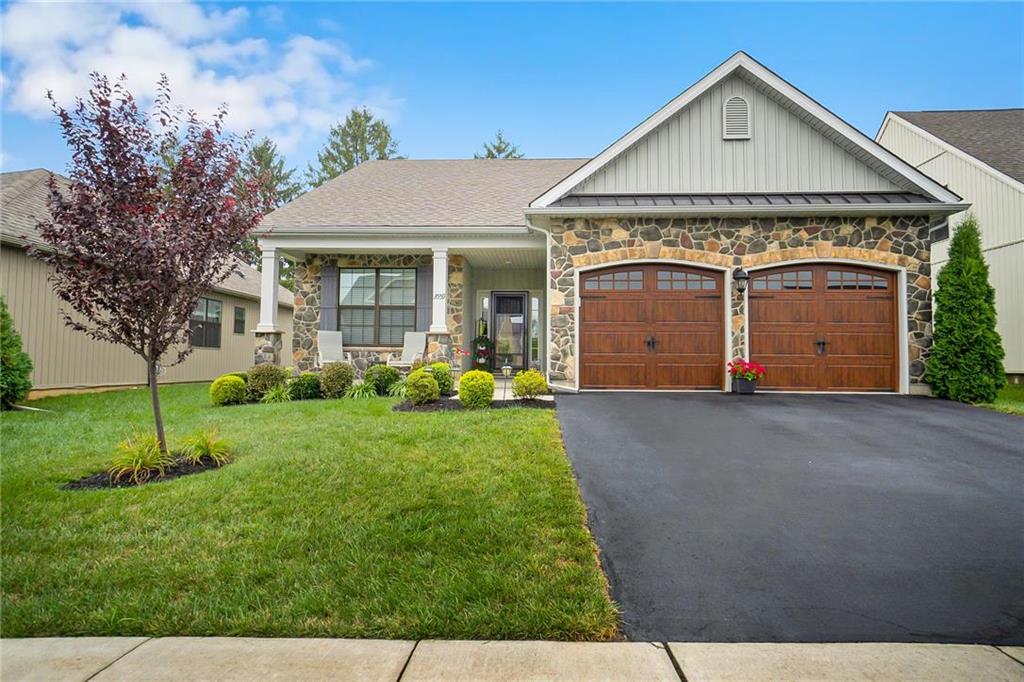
x=499, y=149
x=15, y=364
x=263, y=169
x=359, y=138
x=966, y=362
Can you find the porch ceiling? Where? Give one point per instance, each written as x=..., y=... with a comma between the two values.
x=505, y=258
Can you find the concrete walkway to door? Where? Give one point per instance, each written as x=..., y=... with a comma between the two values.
x=802, y=518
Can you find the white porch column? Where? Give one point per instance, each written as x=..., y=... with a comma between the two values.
x=439, y=307
x=268, y=292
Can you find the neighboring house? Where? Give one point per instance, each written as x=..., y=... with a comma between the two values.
x=624, y=271
x=979, y=155
x=66, y=359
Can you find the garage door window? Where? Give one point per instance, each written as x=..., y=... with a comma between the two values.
x=844, y=279
x=674, y=280
x=625, y=280
x=783, y=281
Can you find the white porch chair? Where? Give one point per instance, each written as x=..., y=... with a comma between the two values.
x=414, y=345
x=330, y=348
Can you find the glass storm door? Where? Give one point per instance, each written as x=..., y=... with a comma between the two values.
x=508, y=330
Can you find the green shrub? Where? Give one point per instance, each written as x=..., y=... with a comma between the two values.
x=138, y=458
x=227, y=390
x=529, y=384
x=15, y=364
x=276, y=394
x=442, y=373
x=381, y=377
x=335, y=379
x=362, y=390
x=966, y=362
x=306, y=386
x=244, y=376
x=262, y=378
x=399, y=389
x=206, y=445
x=421, y=388
x=476, y=389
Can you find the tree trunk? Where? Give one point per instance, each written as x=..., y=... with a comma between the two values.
x=154, y=394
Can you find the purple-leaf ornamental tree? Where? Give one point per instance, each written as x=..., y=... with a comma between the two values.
x=150, y=221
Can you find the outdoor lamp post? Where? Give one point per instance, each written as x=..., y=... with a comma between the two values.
x=740, y=277
x=506, y=371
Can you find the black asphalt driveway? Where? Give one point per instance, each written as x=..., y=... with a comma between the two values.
x=804, y=517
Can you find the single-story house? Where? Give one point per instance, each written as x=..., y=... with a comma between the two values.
x=979, y=155
x=742, y=219
x=65, y=359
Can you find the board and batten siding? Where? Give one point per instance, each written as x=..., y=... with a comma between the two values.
x=686, y=154
x=65, y=359
x=998, y=206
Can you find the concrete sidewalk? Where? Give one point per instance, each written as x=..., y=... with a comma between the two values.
x=246, y=658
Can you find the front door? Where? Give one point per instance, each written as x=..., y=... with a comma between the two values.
x=652, y=326
x=508, y=329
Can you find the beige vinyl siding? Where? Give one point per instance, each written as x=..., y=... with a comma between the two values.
x=998, y=206
x=686, y=153
x=65, y=358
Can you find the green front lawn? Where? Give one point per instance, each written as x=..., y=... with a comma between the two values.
x=1010, y=399
x=338, y=518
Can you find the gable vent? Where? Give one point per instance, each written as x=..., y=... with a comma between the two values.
x=736, y=119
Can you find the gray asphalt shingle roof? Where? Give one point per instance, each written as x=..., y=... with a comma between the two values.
x=993, y=136
x=23, y=197
x=429, y=193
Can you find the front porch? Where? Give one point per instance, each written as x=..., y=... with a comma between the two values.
x=373, y=291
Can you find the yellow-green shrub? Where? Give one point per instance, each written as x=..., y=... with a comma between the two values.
x=442, y=373
x=476, y=389
x=529, y=384
x=421, y=388
x=227, y=390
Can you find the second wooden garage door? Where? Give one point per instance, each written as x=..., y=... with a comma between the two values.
x=829, y=327
x=652, y=326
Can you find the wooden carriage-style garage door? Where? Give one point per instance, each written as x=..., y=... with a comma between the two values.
x=828, y=327
x=652, y=326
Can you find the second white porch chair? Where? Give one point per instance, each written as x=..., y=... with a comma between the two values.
x=414, y=345
x=330, y=348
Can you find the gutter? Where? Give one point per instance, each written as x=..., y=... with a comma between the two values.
x=393, y=231
x=826, y=210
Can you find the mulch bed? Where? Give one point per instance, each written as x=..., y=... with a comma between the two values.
x=102, y=479
x=453, y=405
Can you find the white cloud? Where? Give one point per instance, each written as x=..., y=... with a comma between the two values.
x=292, y=91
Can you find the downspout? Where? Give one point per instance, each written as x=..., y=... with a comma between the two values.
x=547, y=296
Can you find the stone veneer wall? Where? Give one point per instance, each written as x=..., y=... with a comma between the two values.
x=306, y=318
x=732, y=242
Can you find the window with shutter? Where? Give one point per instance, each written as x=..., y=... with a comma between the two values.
x=736, y=119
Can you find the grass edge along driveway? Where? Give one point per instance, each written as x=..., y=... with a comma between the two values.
x=337, y=519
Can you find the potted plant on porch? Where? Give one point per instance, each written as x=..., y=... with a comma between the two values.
x=745, y=375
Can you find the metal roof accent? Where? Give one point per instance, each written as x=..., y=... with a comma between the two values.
x=752, y=199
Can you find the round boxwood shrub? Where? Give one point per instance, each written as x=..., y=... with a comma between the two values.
x=421, y=388
x=476, y=389
x=15, y=364
x=529, y=384
x=442, y=373
x=306, y=386
x=335, y=379
x=262, y=378
x=227, y=390
x=381, y=377
x=244, y=376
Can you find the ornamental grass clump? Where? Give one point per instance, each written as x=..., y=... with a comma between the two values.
x=529, y=384
x=139, y=458
x=421, y=388
x=276, y=394
x=206, y=446
x=442, y=373
x=476, y=389
x=381, y=377
x=364, y=389
x=227, y=390
x=335, y=379
x=306, y=386
x=966, y=361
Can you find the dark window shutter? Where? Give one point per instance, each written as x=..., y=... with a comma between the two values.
x=424, y=296
x=329, y=298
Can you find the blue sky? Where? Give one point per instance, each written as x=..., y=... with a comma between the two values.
x=562, y=80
